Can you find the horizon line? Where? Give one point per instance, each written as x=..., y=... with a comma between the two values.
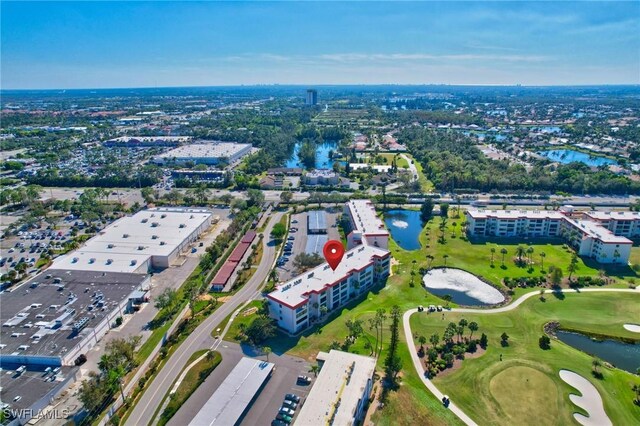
x=637, y=84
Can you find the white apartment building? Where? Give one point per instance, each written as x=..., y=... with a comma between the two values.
x=303, y=300
x=622, y=223
x=591, y=238
x=366, y=226
x=341, y=391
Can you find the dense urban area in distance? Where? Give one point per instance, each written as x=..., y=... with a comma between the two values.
x=162, y=255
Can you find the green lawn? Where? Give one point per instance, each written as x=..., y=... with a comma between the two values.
x=514, y=390
x=475, y=255
x=194, y=377
x=412, y=403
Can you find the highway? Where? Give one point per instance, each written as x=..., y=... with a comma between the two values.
x=201, y=338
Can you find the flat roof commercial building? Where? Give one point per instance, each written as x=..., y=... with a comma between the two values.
x=59, y=314
x=591, y=238
x=146, y=141
x=211, y=153
x=229, y=402
x=341, y=392
x=149, y=239
x=317, y=222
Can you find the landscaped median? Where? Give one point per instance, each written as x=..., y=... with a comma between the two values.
x=511, y=381
x=205, y=362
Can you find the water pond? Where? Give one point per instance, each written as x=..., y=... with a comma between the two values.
x=405, y=227
x=625, y=356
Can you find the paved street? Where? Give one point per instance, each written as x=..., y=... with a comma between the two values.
x=201, y=338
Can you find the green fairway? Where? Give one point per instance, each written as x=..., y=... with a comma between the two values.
x=412, y=403
x=526, y=384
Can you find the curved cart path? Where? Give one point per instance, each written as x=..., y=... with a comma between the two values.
x=416, y=360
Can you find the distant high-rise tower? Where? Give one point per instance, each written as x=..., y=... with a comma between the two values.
x=312, y=97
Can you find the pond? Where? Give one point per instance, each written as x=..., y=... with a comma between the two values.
x=625, y=356
x=566, y=156
x=463, y=287
x=322, y=156
x=405, y=227
x=482, y=135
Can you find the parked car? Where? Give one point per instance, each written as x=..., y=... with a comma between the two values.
x=304, y=380
x=277, y=422
x=284, y=418
x=287, y=411
x=292, y=397
x=290, y=404
x=291, y=238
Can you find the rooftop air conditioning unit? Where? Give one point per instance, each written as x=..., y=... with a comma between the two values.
x=154, y=237
x=109, y=261
x=92, y=260
x=182, y=225
x=162, y=243
x=140, y=247
x=133, y=262
x=125, y=235
x=110, y=246
x=145, y=220
x=163, y=216
x=155, y=224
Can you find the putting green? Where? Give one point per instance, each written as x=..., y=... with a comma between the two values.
x=512, y=386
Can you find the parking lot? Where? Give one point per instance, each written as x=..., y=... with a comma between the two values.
x=283, y=381
x=27, y=246
x=296, y=241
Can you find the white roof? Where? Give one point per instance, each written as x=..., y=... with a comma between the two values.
x=230, y=400
x=343, y=377
x=597, y=231
x=365, y=218
x=207, y=150
x=514, y=214
x=294, y=291
x=620, y=215
x=153, y=232
x=327, y=173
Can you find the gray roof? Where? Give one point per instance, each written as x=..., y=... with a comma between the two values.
x=231, y=399
x=317, y=219
x=59, y=295
x=315, y=243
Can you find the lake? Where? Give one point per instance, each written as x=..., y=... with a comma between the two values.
x=482, y=135
x=405, y=227
x=566, y=156
x=322, y=156
x=624, y=356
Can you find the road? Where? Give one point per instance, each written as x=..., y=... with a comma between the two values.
x=418, y=365
x=201, y=338
x=412, y=166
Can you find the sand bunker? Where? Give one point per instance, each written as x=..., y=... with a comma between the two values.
x=464, y=282
x=590, y=401
x=400, y=224
x=634, y=328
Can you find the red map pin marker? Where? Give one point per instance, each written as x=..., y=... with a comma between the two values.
x=333, y=252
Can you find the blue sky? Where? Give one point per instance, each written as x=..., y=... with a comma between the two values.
x=140, y=44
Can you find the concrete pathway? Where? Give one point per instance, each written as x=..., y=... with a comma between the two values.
x=416, y=360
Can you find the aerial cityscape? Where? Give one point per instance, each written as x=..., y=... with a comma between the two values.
x=319, y=213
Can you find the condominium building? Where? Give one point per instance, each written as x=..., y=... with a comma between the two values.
x=366, y=226
x=620, y=223
x=602, y=239
x=312, y=97
x=303, y=300
x=341, y=392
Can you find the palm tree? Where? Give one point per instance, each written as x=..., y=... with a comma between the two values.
x=422, y=341
x=430, y=259
x=446, y=256
x=314, y=369
x=473, y=326
x=266, y=350
x=542, y=256
x=530, y=252
x=434, y=339
x=493, y=252
x=520, y=251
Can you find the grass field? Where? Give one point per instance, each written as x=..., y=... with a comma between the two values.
x=194, y=377
x=526, y=383
x=412, y=403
